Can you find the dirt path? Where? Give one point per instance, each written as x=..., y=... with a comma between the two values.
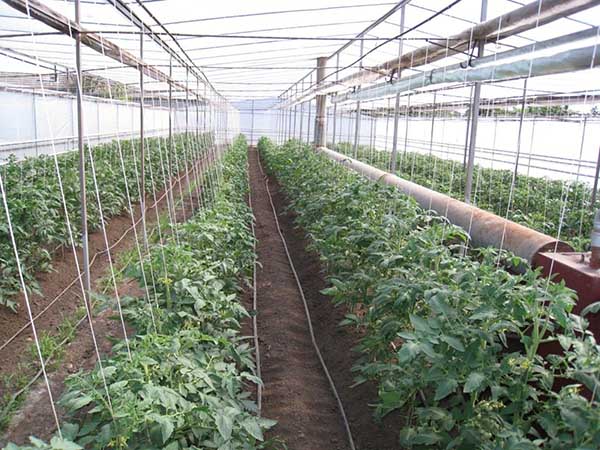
x=296, y=392
x=335, y=343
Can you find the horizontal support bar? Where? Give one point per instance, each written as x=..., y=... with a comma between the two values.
x=525, y=18
x=563, y=62
x=36, y=10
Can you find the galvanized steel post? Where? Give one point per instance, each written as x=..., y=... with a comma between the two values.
x=85, y=254
x=394, y=157
x=321, y=118
x=142, y=149
x=474, y=115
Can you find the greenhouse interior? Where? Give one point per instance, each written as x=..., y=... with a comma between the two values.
x=334, y=225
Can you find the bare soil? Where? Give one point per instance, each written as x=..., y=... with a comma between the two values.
x=294, y=382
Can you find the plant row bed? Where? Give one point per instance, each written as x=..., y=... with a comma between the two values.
x=451, y=340
x=36, y=202
x=185, y=383
x=536, y=202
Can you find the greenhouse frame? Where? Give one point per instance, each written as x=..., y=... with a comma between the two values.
x=335, y=225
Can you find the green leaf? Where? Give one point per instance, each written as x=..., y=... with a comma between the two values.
x=253, y=428
x=61, y=444
x=166, y=427
x=592, y=308
x=407, y=352
x=224, y=425
x=420, y=324
x=453, y=342
x=429, y=438
x=474, y=381
x=574, y=419
x=445, y=388
x=79, y=402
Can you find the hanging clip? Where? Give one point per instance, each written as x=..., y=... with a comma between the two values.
x=469, y=62
x=392, y=73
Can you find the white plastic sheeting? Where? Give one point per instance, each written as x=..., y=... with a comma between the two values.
x=36, y=123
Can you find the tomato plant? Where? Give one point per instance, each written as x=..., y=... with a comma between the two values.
x=539, y=203
x=185, y=385
x=451, y=338
x=36, y=205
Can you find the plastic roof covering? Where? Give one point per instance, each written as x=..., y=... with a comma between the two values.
x=244, y=68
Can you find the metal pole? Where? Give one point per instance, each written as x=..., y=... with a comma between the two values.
x=204, y=110
x=252, y=124
x=187, y=109
x=321, y=115
x=171, y=110
x=407, y=117
x=394, y=157
x=474, y=115
x=171, y=152
x=82, y=185
x=468, y=132
x=301, y=114
x=432, y=123
x=35, y=128
x=142, y=149
x=395, y=138
x=289, y=130
x=337, y=76
x=595, y=189
x=197, y=110
x=523, y=100
x=357, y=124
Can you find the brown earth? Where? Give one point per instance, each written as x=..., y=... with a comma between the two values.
x=282, y=327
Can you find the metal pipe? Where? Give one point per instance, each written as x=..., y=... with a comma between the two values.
x=37, y=10
x=595, y=188
x=570, y=38
x=486, y=228
x=170, y=147
x=595, y=257
x=520, y=133
x=337, y=65
x=474, y=115
x=358, y=112
x=320, y=117
x=394, y=157
x=85, y=253
x=564, y=62
x=527, y=17
x=252, y=122
x=301, y=115
x=142, y=149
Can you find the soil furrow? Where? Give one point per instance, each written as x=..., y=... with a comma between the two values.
x=296, y=392
x=335, y=343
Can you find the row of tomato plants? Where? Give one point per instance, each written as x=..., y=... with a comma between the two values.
x=36, y=203
x=537, y=202
x=451, y=339
x=186, y=382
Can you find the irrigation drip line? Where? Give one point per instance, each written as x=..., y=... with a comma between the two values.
x=307, y=313
x=99, y=253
